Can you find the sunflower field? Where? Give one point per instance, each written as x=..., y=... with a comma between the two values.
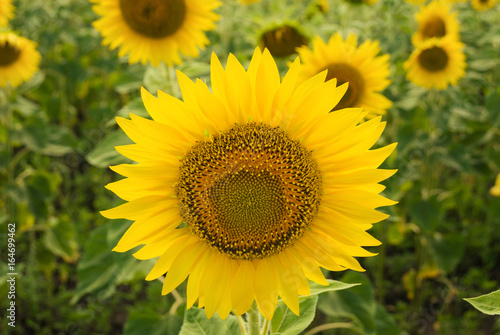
x=250, y=167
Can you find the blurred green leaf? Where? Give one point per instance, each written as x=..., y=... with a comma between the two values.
x=46, y=139
x=105, y=154
x=285, y=322
x=487, y=303
x=141, y=323
x=426, y=213
x=196, y=322
x=100, y=270
x=359, y=305
x=60, y=239
x=135, y=106
x=447, y=250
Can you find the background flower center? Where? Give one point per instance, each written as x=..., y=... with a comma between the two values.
x=433, y=59
x=434, y=28
x=249, y=192
x=346, y=73
x=282, y=41
x=154, y=18
x=8, y=54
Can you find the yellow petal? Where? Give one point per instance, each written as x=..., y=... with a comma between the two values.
x=266, y=288
x=243, y=291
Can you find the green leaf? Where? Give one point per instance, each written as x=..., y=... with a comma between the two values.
x=101, y=270
x=135, y=106
x=60, y=239
x=140, y=323
x=333, y=285
x=447, y=250
x=487, y=303
x=426, y=213
x=287, y=323
x=105, y=154
x=46, y=139
x=196, y=322
x=357, y=303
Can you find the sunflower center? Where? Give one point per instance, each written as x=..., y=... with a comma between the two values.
x=434, y=28
x=433, y=59
x=8, y=54
x=154, y=18
x=249, y=192
x=346, y=73
x=282, y=41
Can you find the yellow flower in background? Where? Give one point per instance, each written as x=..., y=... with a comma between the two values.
x=19, y=59
x=155, y=30
x=436, y=63
x=6, y=12
x=367, y=2
x=481, y=5
x=435, y=20
x=323, y=6
x=249, y=190
x=416, y=2
x=282, y=40
x=366, y=73
x=495, y=190
x=247, y=2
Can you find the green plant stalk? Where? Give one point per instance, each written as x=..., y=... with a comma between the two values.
x=242, y=324
x=265, y=329
x=254, y=320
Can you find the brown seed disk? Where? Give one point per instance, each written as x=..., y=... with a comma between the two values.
x=249, y=192
x=8, y=54
x=153, y=18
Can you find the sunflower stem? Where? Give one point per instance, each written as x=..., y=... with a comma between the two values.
x=242, y=324
x=254, y=320
x=265, y=328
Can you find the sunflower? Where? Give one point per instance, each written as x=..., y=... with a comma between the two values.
x=360, y=66
x=268, y=184
x=436, y=63
x=366, y=2
x=282, y=40
x=155, y=30
x=6, y=12
x=481, y=5
x=495, y=190
x=19, y=59
x=435, y=20
x=247, y=2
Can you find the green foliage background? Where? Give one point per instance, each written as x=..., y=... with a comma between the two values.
x=441, y=243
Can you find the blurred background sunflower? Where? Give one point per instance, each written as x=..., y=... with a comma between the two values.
x=436, y=63
x=366, y=72
x=155, y=30
x=19, y=59
x=6, y=12
x=482, y=5
x=435, y=20
x=283, y=39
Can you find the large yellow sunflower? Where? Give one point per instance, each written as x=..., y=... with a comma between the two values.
x=360, y=66
x=435, y=20
x=156, y=30
x=482, y=5
x=436, y=63
x=19, y=59
x=6, y=12
x=268, y=184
